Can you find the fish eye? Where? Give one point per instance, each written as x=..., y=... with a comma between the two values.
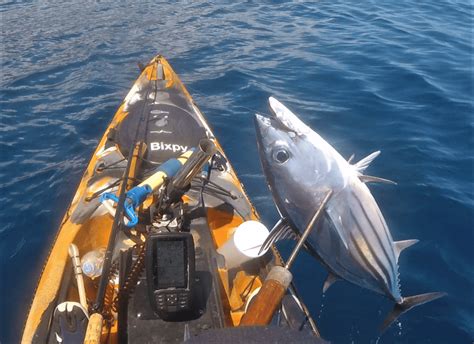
x=281, y=155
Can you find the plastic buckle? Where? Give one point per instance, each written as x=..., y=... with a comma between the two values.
x=128, y=206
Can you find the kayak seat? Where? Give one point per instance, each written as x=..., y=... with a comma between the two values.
x=168, y=129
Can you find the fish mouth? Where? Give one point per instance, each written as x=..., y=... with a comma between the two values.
x=262, y=126
x=267, y=128
x=280, y=121
x=262, y=122
x=280, y=118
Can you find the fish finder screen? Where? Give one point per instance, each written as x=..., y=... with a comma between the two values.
x=171, y=266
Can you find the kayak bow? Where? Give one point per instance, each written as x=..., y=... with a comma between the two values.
x=174, y=213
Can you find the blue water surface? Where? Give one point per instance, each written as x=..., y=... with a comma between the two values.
x=390, y=75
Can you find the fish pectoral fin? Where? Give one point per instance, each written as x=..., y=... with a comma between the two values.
x=407, y=304
x=330, y=280
x=362, y=164
x=371, y=179
x=399, y=246
x=339, y=227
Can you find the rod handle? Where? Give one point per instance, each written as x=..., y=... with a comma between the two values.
x=94, y=329
x=262, y=308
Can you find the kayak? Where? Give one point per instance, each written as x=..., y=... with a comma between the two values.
x=160, y=242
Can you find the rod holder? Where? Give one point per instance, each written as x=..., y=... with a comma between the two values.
x=205, y=150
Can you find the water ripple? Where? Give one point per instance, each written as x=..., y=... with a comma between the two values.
x=395, y=76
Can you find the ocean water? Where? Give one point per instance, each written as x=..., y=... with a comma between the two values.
x=390, y=75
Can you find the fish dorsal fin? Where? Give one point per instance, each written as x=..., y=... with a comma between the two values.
x=399, y=246
x=350, y=158
x=371, y=179
x=330, y=280
x=362, y=164
x=407, y=304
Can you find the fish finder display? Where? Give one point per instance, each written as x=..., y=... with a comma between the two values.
x=171, y=267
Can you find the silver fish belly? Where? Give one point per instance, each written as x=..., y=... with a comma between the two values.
x=365, y=254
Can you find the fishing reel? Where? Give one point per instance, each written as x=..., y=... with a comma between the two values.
x=170, y=219
x=170, y=202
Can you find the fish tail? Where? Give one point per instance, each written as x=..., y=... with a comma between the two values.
x=407, y=304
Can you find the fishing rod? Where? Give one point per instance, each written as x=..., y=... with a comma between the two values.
x=118, y=222
x=94, y=327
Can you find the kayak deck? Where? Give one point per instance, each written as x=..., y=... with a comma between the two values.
x=159, y=112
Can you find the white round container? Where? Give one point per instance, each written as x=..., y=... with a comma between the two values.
x=244, y=244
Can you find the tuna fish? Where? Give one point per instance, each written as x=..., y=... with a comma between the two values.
x=352, y=240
